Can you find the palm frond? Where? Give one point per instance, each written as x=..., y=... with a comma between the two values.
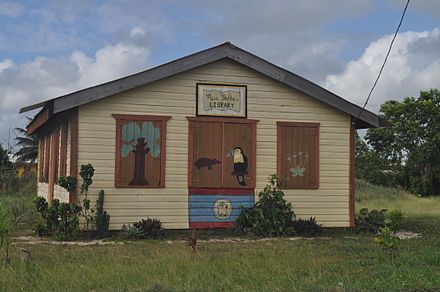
x=28, y=146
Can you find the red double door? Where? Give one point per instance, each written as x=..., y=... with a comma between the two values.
x=221, y=170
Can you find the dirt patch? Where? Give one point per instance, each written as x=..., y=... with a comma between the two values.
x=38, y=240
x=406, y=235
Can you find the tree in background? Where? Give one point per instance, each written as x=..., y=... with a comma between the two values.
x=371, y=167
x=28, y=144
x=411, y=147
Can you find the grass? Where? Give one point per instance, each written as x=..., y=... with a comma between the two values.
x=376, y=197
x=340, y=260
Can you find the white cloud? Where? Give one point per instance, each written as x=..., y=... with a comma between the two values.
x=413, y=65
x=43, y=78
x=138, y=32
x=110, y=62
x=5, y=64
x=289, y=33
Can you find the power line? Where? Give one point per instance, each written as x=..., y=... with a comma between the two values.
x=385, y=60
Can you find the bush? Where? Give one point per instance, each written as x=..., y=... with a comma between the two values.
x=370, y=221
x=387, y=240
x=393, y=220
x=60, y=219
x=307, y=227
x=271, y=215
x=144, y=229
x=67, y=182
x=86, y=172
x=129, y=232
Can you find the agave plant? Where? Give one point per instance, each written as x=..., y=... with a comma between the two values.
x=5, y=229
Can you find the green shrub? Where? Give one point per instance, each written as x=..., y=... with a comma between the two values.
x=394, y=220
x=67, y=182
x=307, y=227
x=370, y=221
x=271, y=215
x=387, y=240
x=130, y=232
x=87, y=171
x=144, y=229
x=102, y=219
x=59, y=219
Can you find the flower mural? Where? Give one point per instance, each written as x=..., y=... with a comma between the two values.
x=298, y=161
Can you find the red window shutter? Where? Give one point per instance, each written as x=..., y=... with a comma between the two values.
x=298, y=154
x=140, y=151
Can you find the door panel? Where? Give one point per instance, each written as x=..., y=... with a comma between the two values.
x=239, y=156
x=207, y=154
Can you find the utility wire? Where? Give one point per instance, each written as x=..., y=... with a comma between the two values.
x=385, y=60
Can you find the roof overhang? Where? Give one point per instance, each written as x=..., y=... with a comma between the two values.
x=39, y=120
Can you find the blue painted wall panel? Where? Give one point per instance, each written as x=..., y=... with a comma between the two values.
x=217, y=208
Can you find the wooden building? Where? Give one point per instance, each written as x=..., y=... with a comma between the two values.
x=190, y=141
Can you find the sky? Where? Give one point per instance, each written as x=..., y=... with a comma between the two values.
x=50, y=48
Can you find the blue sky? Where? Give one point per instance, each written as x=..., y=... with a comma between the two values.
x=48, y=48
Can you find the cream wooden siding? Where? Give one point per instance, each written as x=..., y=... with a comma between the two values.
x=42, y=189
x=268, y=101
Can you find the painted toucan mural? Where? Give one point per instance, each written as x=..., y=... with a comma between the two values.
x=240, y=164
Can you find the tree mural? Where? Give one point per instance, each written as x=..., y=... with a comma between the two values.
x=140, y=139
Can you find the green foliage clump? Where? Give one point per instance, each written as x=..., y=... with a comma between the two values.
x=87, y=171
x=271, y=215
x=102, y=219
x=5, y=230
x=307, y=227
x=387, y=240
x=59, y=219
x=370, y=221
x=144, y=229
x=374, y=220
x=67, y=182
x=129, y=232
x=394, y=220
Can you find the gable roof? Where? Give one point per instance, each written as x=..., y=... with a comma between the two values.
x=59, y=104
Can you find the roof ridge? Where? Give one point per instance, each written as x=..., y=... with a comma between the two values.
x=212, y=54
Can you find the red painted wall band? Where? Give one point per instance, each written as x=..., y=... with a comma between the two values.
x=211, y=191
x=209, y=225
